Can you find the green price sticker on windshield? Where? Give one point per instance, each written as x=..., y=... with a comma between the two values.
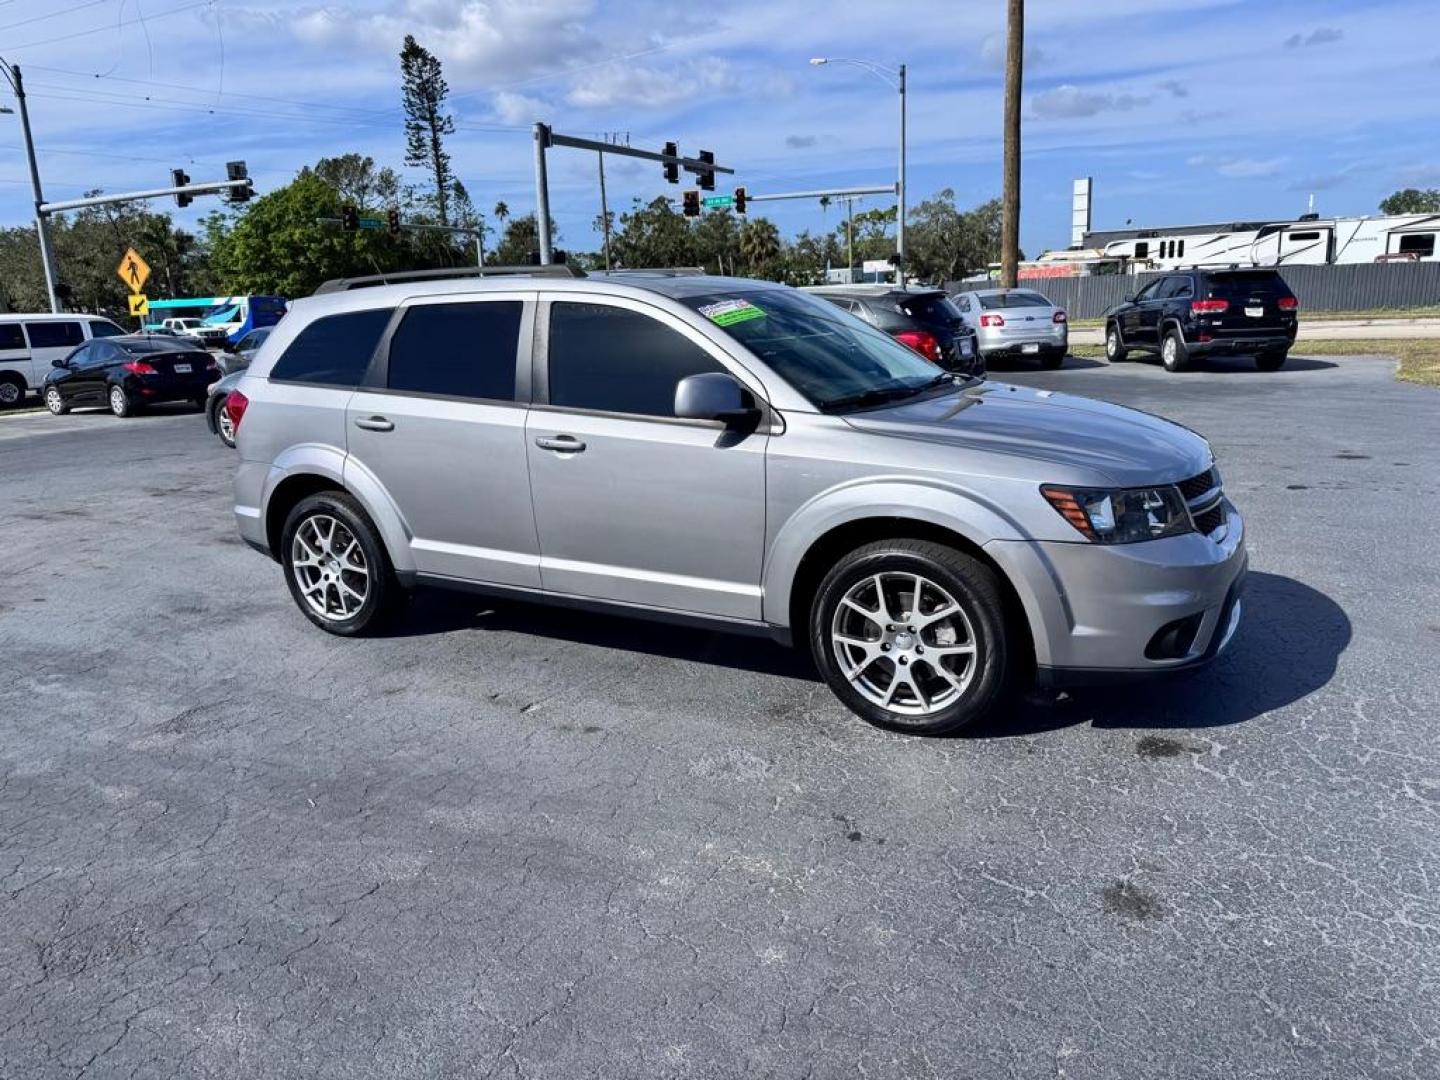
x=730, y=312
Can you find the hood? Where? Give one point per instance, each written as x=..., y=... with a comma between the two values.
x=1129, y=447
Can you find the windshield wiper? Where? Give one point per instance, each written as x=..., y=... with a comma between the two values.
x=881, y=395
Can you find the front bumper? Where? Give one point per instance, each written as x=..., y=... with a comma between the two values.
x=1096, y=610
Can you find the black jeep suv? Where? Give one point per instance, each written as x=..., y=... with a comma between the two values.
x=924, y=319
x=1188, y=314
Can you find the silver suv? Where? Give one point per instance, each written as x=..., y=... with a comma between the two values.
x=737, y=454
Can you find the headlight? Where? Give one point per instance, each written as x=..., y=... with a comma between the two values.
x=1122, y=516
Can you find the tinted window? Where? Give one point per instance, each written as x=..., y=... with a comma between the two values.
x=79, y=356
x=101, y=328
x=1016, y=299
x=615, y=360
x=962, y=302
x=1148, y=292
x=461, y=350
x=1422, y=244
x=103, y=352
x=141, y=346
x=51, y=335
x=1174, y=287
x=1242, y=285
x=11, y=336
x=935, y=309
x=334, y=350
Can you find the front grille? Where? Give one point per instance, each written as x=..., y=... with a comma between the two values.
x=1197, y=485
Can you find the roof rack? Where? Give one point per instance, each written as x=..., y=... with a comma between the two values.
x=399, y=277
x=658, y=271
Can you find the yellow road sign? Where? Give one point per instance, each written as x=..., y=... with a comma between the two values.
x=133, y=271
x=139, y=304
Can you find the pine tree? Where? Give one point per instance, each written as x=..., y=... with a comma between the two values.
x=426, y=123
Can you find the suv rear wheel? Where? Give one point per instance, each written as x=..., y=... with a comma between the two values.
x=336, y=565
x=1173, y=353
x=1272, y=361
x=910, y=635
x=1115, y=350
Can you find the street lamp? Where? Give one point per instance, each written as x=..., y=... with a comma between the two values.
x=895, y=79
x=12, y=76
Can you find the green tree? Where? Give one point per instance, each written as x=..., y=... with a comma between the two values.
x=760, y=248
x=423, y=94
x=716, y=238
x=653, y=234
x=519, y=243
x=1412, y=201
x=944, y=242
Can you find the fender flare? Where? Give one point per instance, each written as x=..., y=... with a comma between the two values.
x=932, y=503
x=332, y=464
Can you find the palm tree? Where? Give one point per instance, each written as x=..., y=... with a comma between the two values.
x=759, y=245
x=502, y=212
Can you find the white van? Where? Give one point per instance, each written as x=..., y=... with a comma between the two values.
x=30, y=343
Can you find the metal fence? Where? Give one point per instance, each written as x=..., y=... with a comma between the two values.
x=1359, y=287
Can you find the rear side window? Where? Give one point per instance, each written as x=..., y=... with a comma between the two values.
x=1421, y=244
x=458, y=350
x=11, y=336
x=1016, y=299
x=614, y=360
x=334, y=350
x=1242, y=286
x=102, y=328
x=54, y=335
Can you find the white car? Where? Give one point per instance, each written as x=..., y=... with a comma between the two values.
x=30, y=344
x=193, y=328
x=1013, y=323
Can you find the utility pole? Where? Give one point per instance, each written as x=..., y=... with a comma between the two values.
x=47, y=259
x=604, y=208
x=1010, y=205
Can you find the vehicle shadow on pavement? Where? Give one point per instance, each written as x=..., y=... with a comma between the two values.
x=434, y=612
x=1003, y=365
x=1289, y=641
x=1228, y=365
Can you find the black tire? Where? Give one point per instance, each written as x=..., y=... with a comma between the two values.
x=12, y=391
x=383, y=593
x=974, y=588
x=1178, y=358
x=1115, y=351
x=1052, y=360
x=54, y=402
x=220, y=423
x=1272, y=361
x=120, y=403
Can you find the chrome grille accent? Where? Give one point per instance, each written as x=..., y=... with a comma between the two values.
x=1203, y=496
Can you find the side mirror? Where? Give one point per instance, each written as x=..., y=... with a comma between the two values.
x=60, y=362
x=714, y=396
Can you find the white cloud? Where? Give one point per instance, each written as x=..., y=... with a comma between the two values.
x=1238, y=168
x=1070, y=102
x=649, y=87
x=1325, y=35
x=992, y=52
x=513, y=108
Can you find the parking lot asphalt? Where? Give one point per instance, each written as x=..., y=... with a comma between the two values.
x=508, y=841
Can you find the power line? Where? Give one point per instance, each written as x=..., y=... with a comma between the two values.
x=106, y=29
x=53, y=14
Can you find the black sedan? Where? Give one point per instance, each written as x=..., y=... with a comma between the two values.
x=130, y=372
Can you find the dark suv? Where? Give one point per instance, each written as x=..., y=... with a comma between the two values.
x=1189, y=314
x=924, y=319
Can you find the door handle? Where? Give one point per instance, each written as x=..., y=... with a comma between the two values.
x=374, y=423
x=566, y=444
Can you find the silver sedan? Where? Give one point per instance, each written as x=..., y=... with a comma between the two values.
x=1016, y=322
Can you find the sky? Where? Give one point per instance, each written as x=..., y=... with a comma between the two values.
x=1182, y=111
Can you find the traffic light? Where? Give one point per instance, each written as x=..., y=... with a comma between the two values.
x=740, y=200
x=349, y=218
x=392, y=221
x=707, y=176
x=672, y=168
x=235, y=170
x=692, y=203
x=179, y=179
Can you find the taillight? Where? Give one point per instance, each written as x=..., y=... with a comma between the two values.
x=1209, y=307
x=235, y=409
x=1287, y=303
x=923, y=343
x=992, y=320
x=139, y=367
x=1059, y=316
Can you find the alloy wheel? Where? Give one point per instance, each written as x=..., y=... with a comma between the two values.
x=1167, y=351
x=9, y=393
x=330, y=567
x=225, y=424
x=904, y=643
x=118, y=404
x=53, y=401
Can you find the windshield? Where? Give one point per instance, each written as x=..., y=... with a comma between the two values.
x=832, y=358
x=1012, y=300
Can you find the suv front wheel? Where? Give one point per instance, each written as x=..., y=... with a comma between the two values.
x=910, y=635
x=336, y=565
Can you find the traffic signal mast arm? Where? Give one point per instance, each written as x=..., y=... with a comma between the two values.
x=155, y=193
x=689, y=164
